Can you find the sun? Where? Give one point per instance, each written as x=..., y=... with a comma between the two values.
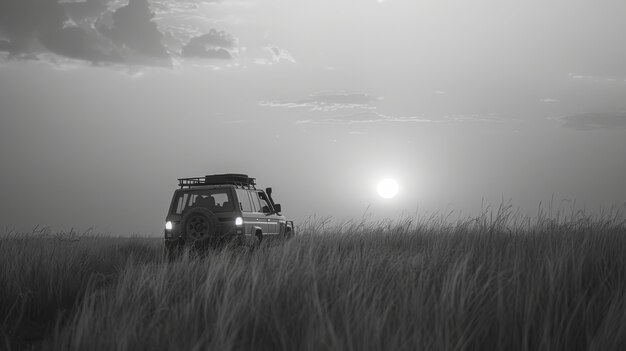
x=387, y=188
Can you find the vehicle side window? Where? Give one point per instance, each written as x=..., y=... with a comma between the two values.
x=255, y=201
x=222, y=200
x=216, y=200
x=244, y=200
x=193, y=198
x=265, y=205
x=181, y=203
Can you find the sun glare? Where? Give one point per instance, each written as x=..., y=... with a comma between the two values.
x=387, y=188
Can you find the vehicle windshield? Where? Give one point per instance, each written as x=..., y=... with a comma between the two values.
x=215, y=200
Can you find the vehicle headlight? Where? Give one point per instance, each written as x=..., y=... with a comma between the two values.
x=168, y=225
x=238, y=221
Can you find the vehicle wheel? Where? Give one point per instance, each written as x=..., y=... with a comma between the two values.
x=200, y=224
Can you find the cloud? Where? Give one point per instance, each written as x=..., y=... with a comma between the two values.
x=549, y=100
x=328, y=101
x=365, y=117
x=79, y=30
x=375, y=117
x=21, y=21
x=80, y=43
x=85, y=10
x=216, y=38
x=5, y=45
x=134, y=29
x=262, y=61
x=279, y=54
x=360, y=117
x=214, y=45
x=207, y=53
x=108, y=31
x=596, y=78
x=341, y=99
x=356, y=108
x=179, y=6
x=341, y=108
x=595, y=121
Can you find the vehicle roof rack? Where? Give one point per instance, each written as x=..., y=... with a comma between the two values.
x=240, y=180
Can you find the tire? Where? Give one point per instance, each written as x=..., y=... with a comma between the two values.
x=200, y=225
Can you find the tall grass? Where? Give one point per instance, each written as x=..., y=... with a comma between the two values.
x=491, y=282
x=43, y=276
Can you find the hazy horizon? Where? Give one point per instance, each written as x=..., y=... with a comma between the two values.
x=103, y=106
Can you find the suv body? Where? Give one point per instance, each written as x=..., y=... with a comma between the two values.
x=222, y=208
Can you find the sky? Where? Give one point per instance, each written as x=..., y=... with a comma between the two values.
x=466, y=103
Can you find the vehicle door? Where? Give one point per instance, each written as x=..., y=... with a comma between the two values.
x=248, y=213
x=257, y=217
x=268, y=213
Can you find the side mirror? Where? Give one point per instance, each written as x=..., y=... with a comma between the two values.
x=277, y=208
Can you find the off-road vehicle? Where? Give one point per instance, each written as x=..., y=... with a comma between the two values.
x=222, y=208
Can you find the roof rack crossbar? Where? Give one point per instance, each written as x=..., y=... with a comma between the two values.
x=241, y=180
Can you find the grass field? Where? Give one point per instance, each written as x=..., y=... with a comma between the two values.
x=494, y=282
